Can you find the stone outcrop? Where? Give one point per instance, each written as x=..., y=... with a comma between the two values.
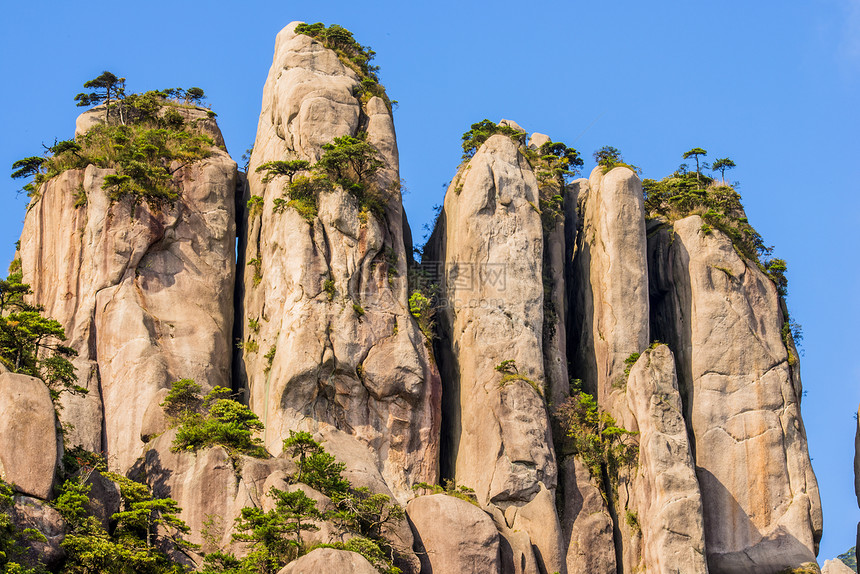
x=38, y=515
x=210, y=485
x=144, y=294
x=489, y=241
x=333, y=344
x=836, y=566
x=452, y=535
x=665, y=499
x=587, y=523
x=741, y=388
x=546, y=289
x=609, y=285
x=29, y=452
x=857, y=472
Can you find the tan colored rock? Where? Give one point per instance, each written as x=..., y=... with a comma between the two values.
x=351, y=357
x=329, y=560
x=611, y=274
x=453, y=535
x=37, y=514
x=83, y=413
x=836, y=566
x=146, y=294
x=665, y=494
x=538, y=518
x=760, y=497
x=490, y=239
x=536, y=140
x=154, y=418
x=28, y=435
x=587, y=524
x=207, y=485
x=515, y=546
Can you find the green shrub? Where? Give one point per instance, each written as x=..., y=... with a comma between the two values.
x=482, y=131
x=594, y=435
x=359, y=310
x=629, y=362
x=213, y=419
x=353, y=55
x=422, y=309
x=510, y=373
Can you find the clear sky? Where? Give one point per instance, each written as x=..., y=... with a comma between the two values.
x=773, y=85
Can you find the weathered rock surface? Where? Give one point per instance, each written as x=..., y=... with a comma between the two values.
x=452, y=535
x=609, y=290
x=40, y=516
x=348, y=356
x=330, y=560
x=665, y=494
x=208, y=486
x=741, y=388
x=490, y=240
x=144, y=295
x=587, y=524
x=28, y=435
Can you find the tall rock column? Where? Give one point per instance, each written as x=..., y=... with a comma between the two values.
x=144, y=294
x=489, y=240
x=329, y=342
x=738, y=372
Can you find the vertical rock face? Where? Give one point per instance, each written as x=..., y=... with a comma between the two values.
x=610, y=288
x=490, y=243
x=145, y=295
x=741, y=386
x=454, y=536
x=587, y=523
x=333, y=343
x=665, y=497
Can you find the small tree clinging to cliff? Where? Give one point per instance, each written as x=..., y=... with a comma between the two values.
x=105, y=86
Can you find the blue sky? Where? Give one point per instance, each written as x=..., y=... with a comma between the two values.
x=772, y=85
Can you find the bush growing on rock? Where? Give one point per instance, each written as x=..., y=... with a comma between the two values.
x=594, y=435
x=213, y=419
x=480, y=132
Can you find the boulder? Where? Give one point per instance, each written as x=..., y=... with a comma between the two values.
x=40, y=516
x=334, y=345
x=28, y=435
x=105, y=499
x=740, y=383
x=836, y=566
x=452, y=535
x=536, y=140
x=82, y=414
x=329, y=560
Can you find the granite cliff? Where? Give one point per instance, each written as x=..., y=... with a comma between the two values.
x=578, y=376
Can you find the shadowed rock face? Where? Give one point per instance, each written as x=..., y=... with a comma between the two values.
x=144, y=295
x=723, y=318
x=345, y=354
